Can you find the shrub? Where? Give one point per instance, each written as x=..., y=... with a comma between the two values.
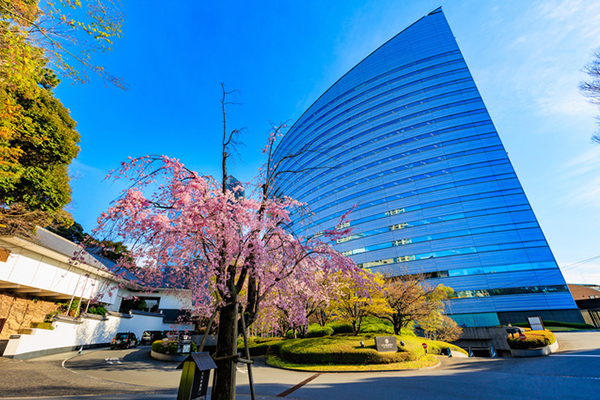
x=340, y=327
x=50, y=317
x=289, y=334
x=533, y=339
x=99, y=310
x=42, y=325
x=376, y=325
x=261, y=346
x=559, y=323
x=319, y=331
x=169, y=347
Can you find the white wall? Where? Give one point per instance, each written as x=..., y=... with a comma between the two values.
x=67, y=334
x=25, y=267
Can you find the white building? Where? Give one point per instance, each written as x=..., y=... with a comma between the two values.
x=43, y=268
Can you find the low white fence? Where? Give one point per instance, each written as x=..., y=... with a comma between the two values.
x=87, y=331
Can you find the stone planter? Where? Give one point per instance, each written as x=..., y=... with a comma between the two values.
x=542, y=351
x=167, y=357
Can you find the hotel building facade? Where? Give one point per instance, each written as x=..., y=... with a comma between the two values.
x=405, y=138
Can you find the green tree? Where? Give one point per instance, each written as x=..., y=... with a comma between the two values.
x=74, y=233
x=38, y=139
x=591, y=88
x=440, y=327
x=356, y=300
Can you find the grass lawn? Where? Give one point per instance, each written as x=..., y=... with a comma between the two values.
x=423, y=362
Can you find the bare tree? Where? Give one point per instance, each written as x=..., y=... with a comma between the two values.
x=591, y=88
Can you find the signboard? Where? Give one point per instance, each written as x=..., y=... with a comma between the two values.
x=194, y=377
x=424, y=346
x=535, y=323
x=386, y=343
x=522, y=336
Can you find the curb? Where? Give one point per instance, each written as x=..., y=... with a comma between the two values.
x=167, y=357
x=358, y=371
x=542, y=351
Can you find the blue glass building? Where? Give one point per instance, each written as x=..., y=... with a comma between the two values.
x=406, y=138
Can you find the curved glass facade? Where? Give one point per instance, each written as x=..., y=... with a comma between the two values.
x=405, y=138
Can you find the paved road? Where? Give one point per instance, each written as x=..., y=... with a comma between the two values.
x=45, y=376
x=572, y=373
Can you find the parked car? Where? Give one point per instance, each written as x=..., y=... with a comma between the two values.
x=124, y=340
x=149, y=337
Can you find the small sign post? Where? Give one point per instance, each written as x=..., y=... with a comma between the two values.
x=184, y=343
x=424, y=347
x=386, y=343
x=194, y=377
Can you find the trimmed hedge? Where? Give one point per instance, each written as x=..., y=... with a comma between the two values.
x=340, y=327
x=559, y=323
x=328, y=350
x=376, y=325
x=261, y=346
x=169, y=347
x=533, y=339
x=319, y=331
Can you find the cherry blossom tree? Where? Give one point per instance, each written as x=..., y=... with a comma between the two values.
x=190, y=230
x=297, y=301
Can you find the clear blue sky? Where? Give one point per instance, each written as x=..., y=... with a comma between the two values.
x=526, y=58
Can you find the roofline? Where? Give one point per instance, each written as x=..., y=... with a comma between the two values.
x=436, y=11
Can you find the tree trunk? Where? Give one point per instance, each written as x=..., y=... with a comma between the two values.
x=224, y=383
x=252, y=302
x=397, y=322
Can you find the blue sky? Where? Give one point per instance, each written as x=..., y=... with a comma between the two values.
x=526, y=58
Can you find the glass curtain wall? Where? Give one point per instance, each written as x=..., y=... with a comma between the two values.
x=405, y=138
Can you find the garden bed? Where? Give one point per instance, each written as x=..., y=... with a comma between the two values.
x=345, y=353
x=536, y=343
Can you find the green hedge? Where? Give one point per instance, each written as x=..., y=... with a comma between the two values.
x=376, y=325
x=98, y=310
x=319, y=331
x=169, y=347
x=328, y=350
x=261, y=346
x=559, y=323
x=340, y=327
